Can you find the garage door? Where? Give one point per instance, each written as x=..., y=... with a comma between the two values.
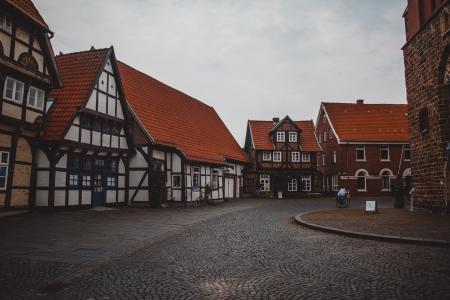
x=229, y=187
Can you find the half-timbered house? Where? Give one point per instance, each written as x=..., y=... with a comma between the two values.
x=88, y=137
x=283, y=158
x=27, y=73
x=191, y=155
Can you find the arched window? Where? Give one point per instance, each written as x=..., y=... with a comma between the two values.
x=361, y=177
x=28, y=61
x=386, y=179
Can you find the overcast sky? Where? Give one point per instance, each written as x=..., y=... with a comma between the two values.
x=248, y=59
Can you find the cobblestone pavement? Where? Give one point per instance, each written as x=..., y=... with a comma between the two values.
x=251, y=252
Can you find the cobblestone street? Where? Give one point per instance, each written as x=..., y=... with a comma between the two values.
x=239, y=250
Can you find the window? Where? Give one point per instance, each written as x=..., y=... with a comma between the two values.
x=335, y=182
x=87, y=163
x=361, y=177
x=330, y=134
x=292, y=137
x=267, y=156
x=4, y=163
x=99, y=162
x=306, y=157
x=86, y=121
x=360, y=153
x=295, y=156
x=323, y=159
x=13, y=90
x=334, y=156
x=292, y=185
x=74, y=163
x=384, y=153
x=407, y=153
x=264, y=180
x=5, y=23
x=277, y=156
x=86, y=180
x=386, y=180
x=280, y=136
x=36, y=98
x=306, y=183
x=324, y=136
x=195, y=177
x=111, y=181
x=176, y=181
x=73, y=179
x=113, y=165
x=116, y=129
x=106, y=128
x=423, y=120
x=215, y=179
x=320, y=138
x=97, y=124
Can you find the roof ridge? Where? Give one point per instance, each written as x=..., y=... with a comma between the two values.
x=82, y=52
x=164, y=84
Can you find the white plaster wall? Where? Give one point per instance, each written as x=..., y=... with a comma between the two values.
x=36, y=44
x=123, y=143
x=39, y=59
x=19, y=49
x=142, y=195
x=176, y=195
x=60, y=179
x=138, y=161
x=111, y=106
x=92, y=101
x=106, y=139
x=115, y=141
x=22, y=35
x=72, y=134
x=108, y=66
x=60, y=198
x=6, y=42
x=86, y=197
x=176, y=163
x=96, y=138
x=101, y=103
x=42, y=198
x=135, y=178
x=62, y=163
x=121, y=197
x=85, y=136
x=119, y=112
x=121, y=166
x=42, y=179
x=121, y=181
x=158, y=154
x=112, y=86
x=42, y=161
x=111, y=196
x=73, y=197
x=103, y=77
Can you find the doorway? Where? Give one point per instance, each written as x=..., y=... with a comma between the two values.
x=98, y=197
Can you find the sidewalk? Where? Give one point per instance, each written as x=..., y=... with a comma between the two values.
x=397, y=225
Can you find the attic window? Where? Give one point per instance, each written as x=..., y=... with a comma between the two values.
x=292, y=137
x=5, y=23
x=280, y=136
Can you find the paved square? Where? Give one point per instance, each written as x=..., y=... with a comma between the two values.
x=243, y=249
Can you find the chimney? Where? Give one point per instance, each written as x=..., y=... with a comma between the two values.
x=92, y=48
x=276, y=120
x=360, y=101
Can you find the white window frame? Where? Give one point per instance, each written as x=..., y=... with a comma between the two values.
x=335, y=182
x=281, y=138
x=295, y=156
x=74, y=179
x=86, y=180
x=173, y=181
x=320, y=139
x=111, y=181
x=292, y=185
x=306, y=183
x=324, y=136
x=5, y=166
x=6, y=22
x=196, y=177
x=215, y=179
x=384, y=148
x=357, y=174
x=14, y=90
x=323, y=159
x=330, y=135
x=306, y=157
x=32, y=88
x=334, y=156
x=277, y=156
x=363, y=148
x=389, y=175
x=264, y=181
x=292, y=137
x=267, y=156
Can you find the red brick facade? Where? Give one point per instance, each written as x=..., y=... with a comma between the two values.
x=426, y=56
x=339, y=164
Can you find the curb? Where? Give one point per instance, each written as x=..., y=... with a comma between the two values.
x=371, y=236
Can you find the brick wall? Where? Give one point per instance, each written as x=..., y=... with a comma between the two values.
x=425, y=58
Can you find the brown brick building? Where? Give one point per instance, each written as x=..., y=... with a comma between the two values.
x=427, y=72
x=365, y=147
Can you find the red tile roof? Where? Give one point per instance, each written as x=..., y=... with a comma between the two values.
x=27, y=7
x=175, y=119
x=261, y=139
x=354, y=122
x=78, y=71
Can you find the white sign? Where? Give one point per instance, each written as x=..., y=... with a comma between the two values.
x=371, y=206
x=280, y=195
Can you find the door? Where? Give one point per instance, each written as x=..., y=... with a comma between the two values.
x=229, y=187
x=98, y=198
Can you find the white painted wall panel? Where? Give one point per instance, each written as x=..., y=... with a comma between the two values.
x=42, y=160
x=62, y=163
x=135, y=178
x=92, y=102
x=114, y=141
x=111, y=196
x=106, y=140
x=121, y=166
x=86, y=197
x=176, y=195
x=73, y=197
x=101, y=103
x=42, y=198
x=72, y=134
x=119, y=111
x=176, y=163
x=141, y=196
x=42, y=179
x=138, y=161
x=76, y=120
x=158, y=154
x=60, y=198
x=121, y=197
x=85, y=136
x=123, y=143
x=121, y=181
x=112, y=86
x=111, y=106
x=108, y=66
x=102, y=81
x=60, y=179
x=96, y=138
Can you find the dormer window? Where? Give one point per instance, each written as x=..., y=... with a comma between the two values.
x=5, y=23
x=277, y=156
x=280, y=137
x=267, y=156
x=292, y=137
